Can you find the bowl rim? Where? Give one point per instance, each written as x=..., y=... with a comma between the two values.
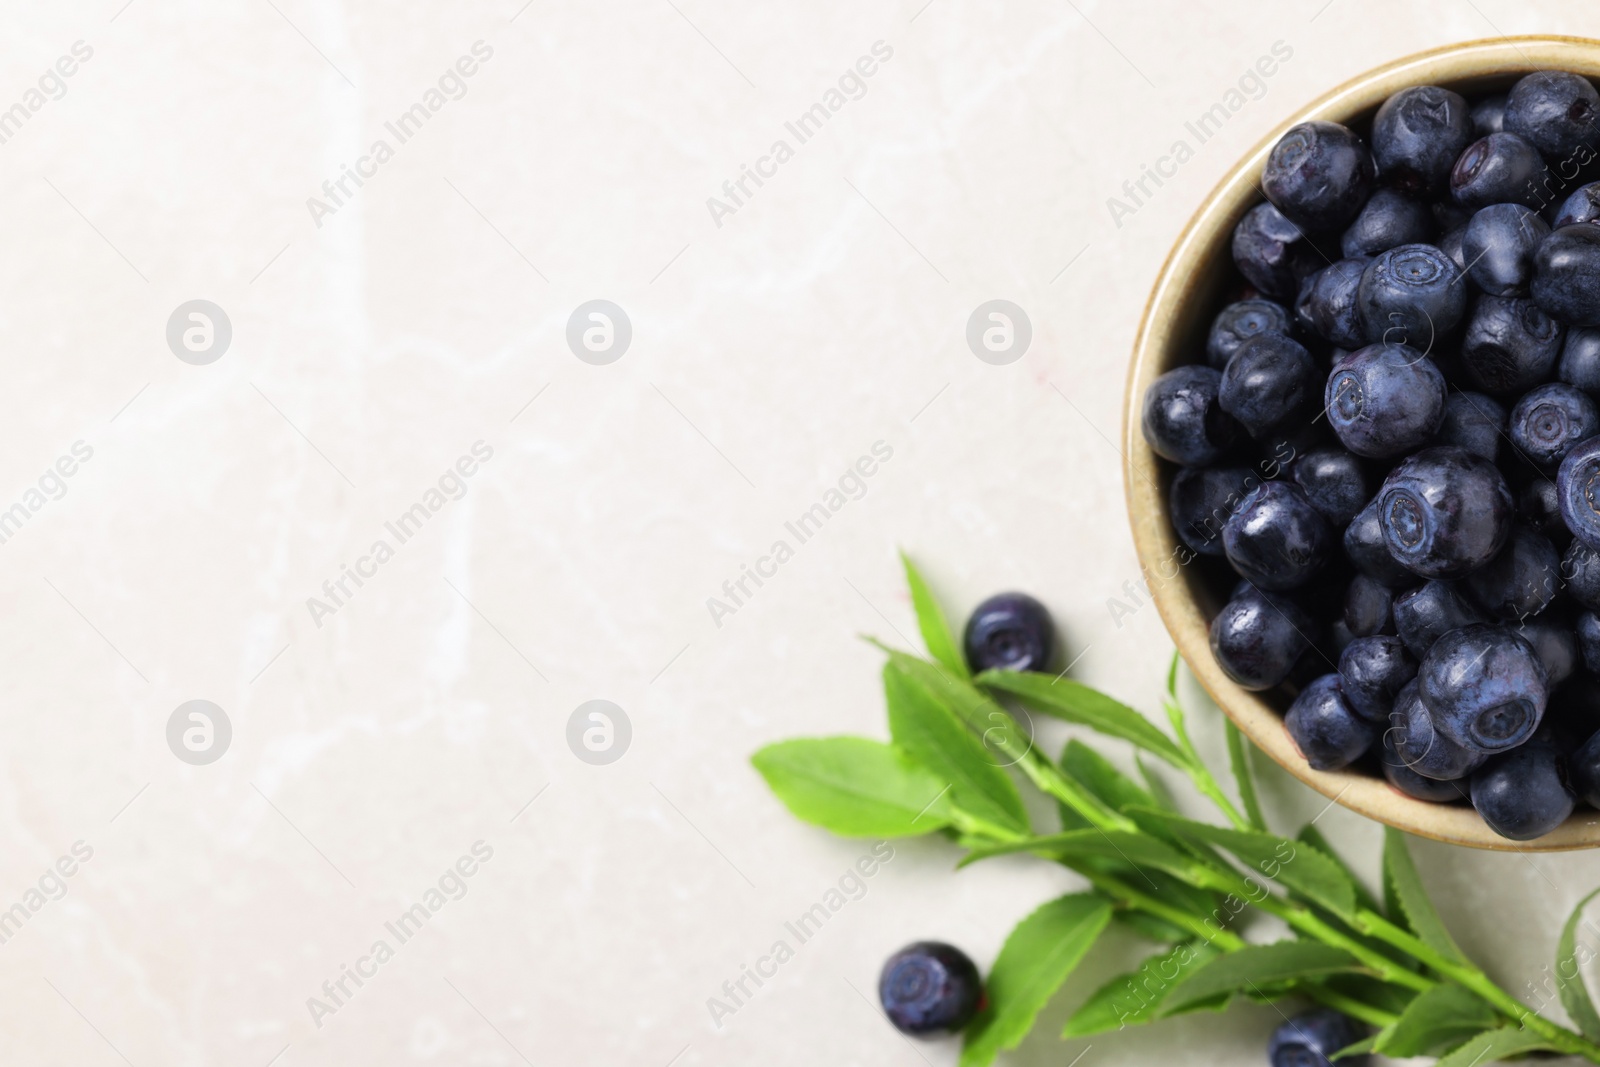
x=1157, y=344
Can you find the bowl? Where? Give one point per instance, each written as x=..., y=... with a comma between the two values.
x=1172, y=332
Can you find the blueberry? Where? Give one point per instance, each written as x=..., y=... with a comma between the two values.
x=1484, y=688
x=1588, y=634
x=1524, y=793
x=1449, y=215
x=1417, y=135
x=1451, y=245
x=1327, y=304
x=1411, y=295
x=1272, y=253
x=1239, y=322
x=1556, y=645
x=929, y=987
x=1388, y=220
x=1539, y=504
x=1578, y=484
x=1311, y=1038
x=1566, y=275
x=1510, y=344
x=1385, y=400
x=1009, y=632
x=1371, y=671
x=1553, y=111
x=1582, y=206
x=1580, y=359
x=1368, y=607
x=1338, y=639
x=1365, y=547
x=1445, y=512
x=1522, y=580
x=1276, y=540
x=1183, y=421
x=1580, y=570
x=1418, y=786
x=1549, y=420
x=1200, y=501
x=1269, y=381
x=1474, y=422
x=1498, y=169
x=1499, y=247
x=1428, y=612
x=1488, y=115
x=1318, y=175
x=1325, y=728
x=1334, y=481
x=1584, y=768
x=1257, y=638
x=1420, y=747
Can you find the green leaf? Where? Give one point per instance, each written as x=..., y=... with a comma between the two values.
x=1005, y=741
x=1134, y=998
x=922, y=724
x=1256, y=966
x=1074, y=702
x=936, y=634
x=1569, y=976
x=1102, y=779
x=1403, y=887
x=1151, y=927
x=1492, y=1045
x=1239, y=760
x=1135, y=849
x=854, y=786
x=1298, y=867
x=1036, y=958
x=1360, y=1048
x=1313, y=837
x=1438, y=1019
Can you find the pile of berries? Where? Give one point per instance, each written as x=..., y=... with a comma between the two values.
x=1391, y=444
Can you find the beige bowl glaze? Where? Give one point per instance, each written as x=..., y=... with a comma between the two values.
x=1172, y=333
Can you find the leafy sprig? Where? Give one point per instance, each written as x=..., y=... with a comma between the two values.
x=952, y=766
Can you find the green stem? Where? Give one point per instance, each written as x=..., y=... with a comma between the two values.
x=1306, y=921
x=1048, y=778
x=1199, y=774
x=1239, y=757
x=1350, y=1006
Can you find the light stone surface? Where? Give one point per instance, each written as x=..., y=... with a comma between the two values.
x=373, y=346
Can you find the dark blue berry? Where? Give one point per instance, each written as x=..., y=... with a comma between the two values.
x=1371, y=671
x=1417, y=135
x=1484, y=688
x=1499, y=247
x=1257, y=638
x=1388, y=220
x=1385, y=400
x=1539, y=504
x=1420, y=747
x=1327, y=304
x=1270, y=380
x=1318, y=175
x=1580, y=570
x=1365, y=547
x=1428, y=612
x=1474, y=422
x=1500, y=168
x=1488, y=115
x=1588, y=635
x=1276, y=540
x=1554, y=111
x=1201, y=500
x=1566, y=275
x=1578, y=484
x=1334, y=481
x=1510, y=344
x=1445, y=512
x=1580, y=359
x=1524, y=793
x=1582, y=206
x=1238, y=322
x=1311, y=1038
x=1584, y=768
x=1411, y=295
x=1522, y=580
x=1368, y=607
x=1325, y=728
x=1009, y=632
x=1549, y=421
x=928, y=988
x=1183, y=420
x=1556, y=645
x=1418, y=786
x=1272, y=253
